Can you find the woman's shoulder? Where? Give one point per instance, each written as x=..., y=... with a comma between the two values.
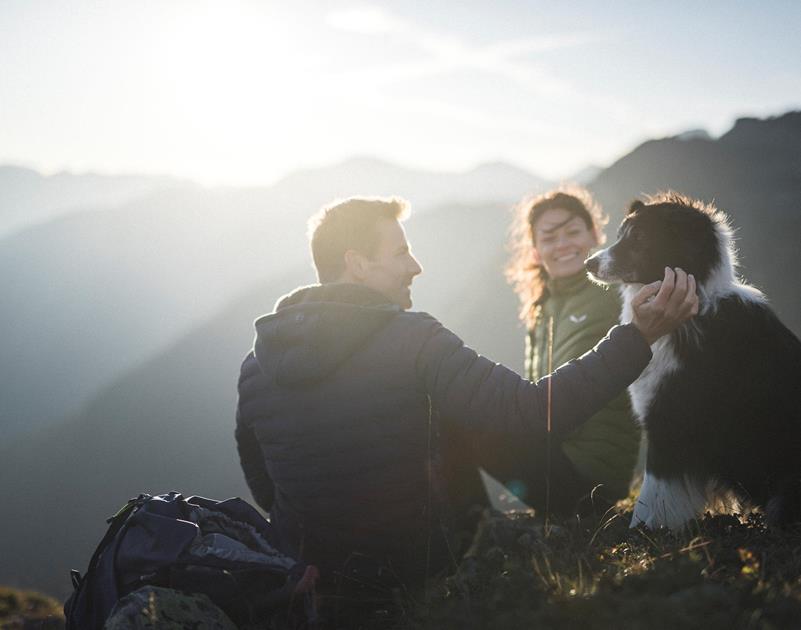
x=598, y=299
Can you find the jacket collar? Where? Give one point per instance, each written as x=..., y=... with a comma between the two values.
x=569, y=285
x=315, y=329
x=339, y=292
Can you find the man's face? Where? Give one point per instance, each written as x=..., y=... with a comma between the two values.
x=391, y=269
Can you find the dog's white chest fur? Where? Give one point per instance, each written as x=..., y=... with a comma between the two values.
x=675, y=502
x=662, y=502
x=663, y=363
x=669, y=502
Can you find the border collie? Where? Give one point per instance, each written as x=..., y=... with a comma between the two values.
x=720, y=401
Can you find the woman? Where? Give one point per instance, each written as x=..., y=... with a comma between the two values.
x=566, y=315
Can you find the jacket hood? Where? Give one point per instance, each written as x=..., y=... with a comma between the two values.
x=316, y=328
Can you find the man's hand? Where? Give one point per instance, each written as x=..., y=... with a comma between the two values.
x=676, y=301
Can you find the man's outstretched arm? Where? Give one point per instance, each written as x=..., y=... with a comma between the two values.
x=490, y=397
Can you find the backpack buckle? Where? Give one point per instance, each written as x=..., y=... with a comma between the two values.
x=76, y=578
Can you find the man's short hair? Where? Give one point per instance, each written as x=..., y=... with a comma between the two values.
x=349, y=224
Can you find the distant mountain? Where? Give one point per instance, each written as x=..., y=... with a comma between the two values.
x=753, y=172
x=28, y=198
x=91, y=294
x=487, y=183
x=168, y=423
x=585, y=175
x=694, y=134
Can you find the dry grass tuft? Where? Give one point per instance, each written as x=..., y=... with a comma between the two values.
x=29, y=609
x=597, y=573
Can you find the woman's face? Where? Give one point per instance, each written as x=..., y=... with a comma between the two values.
x=563, y=242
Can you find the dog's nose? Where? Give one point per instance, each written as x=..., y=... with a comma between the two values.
x=592, y=264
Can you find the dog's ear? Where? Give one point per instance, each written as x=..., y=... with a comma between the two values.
x=688, y=222
x=634, y=206
x=693, y=231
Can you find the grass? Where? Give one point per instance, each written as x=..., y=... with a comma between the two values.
x=722, y=573
x=29, y=609
x=597, y=573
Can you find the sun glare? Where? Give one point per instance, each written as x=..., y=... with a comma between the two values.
x=238, y=80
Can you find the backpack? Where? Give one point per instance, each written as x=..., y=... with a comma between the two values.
x=223, y=549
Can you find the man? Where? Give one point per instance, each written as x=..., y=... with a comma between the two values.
x=340, y=399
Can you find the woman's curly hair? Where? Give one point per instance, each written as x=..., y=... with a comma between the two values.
x=524, y=272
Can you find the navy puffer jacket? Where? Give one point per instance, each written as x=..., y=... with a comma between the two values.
x=335, y=410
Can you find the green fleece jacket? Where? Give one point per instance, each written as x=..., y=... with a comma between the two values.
x=604, y=449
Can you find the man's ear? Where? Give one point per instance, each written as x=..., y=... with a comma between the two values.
x=355, y=264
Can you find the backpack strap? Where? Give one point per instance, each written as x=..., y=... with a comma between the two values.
x=116, y=522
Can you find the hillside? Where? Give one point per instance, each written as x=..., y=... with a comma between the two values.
x=29, y=198
x=89, y=296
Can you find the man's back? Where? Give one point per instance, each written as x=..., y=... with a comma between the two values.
x=332, y=396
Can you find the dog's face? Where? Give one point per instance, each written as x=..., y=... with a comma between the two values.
x=655, y=236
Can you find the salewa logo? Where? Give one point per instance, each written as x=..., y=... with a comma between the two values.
x=577, y=319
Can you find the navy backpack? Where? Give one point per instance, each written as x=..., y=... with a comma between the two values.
x=223, y=549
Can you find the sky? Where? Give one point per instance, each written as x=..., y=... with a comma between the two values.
x=240, y=93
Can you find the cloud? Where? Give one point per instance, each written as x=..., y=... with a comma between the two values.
x=444, y=53
x=436, y=53
x=475, y=117
x=365, y=19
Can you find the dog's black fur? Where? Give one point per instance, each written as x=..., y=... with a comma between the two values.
x=721, y=399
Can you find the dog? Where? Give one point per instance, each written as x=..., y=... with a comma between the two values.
x=720, y=401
